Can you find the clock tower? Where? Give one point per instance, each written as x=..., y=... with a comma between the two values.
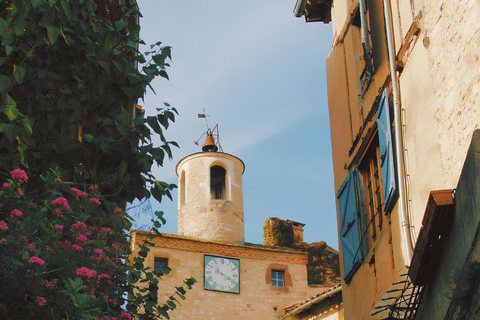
x=210, y=198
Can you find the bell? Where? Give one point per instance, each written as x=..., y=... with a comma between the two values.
x=209, y=143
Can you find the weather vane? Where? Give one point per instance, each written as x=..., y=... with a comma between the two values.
x=211, y=144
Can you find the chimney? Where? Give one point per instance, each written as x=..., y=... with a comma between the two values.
x=297, y=232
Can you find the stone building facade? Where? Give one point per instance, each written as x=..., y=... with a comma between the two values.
x=404, y=103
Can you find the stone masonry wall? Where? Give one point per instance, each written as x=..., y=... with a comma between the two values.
x=257, y=299
x=451, y=35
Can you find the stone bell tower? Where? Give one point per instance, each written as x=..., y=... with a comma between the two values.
x=210, y=198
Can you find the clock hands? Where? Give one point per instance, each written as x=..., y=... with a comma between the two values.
x=218, y=271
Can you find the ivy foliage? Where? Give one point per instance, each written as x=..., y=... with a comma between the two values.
x=278, y=233
x=69, y=84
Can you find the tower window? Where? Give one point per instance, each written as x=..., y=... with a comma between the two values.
x=217, y=182
x=181, y=191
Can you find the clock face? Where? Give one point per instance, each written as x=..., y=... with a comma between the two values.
x=222, y=274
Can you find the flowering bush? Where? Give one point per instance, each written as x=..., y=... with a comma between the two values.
x=57, y=252
x=63, y=255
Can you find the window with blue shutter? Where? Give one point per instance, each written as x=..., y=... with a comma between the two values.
x=386, y=152
x=367, y=72
x=349, y=231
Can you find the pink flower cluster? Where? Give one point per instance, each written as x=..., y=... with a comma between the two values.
x=40, y=300
x=78, y=193
x=62, y=202
x=3, y=225
x=37, y=260
x=76, y=247
x=116, y=247
x=123, y=316
x=126, y=316
x=98, y=254
x=7, y=185
x=15, y=213
x=19, y=175
x=96, y=201
x=78, y=226
x=50, y=284
x=86, y=273
x=103, y=276
x=31, y=247
x=58, y=229
x=82, y=239
x=117, y=210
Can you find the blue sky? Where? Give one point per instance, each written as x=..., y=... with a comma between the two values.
x=260, y=73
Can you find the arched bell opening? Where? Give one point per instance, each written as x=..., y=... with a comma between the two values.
x=217, y=182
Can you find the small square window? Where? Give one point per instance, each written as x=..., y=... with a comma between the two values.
x=161, y=265
x=278, y=278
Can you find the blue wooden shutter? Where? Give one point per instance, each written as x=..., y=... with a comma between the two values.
x=349, y=233
x=386, y=151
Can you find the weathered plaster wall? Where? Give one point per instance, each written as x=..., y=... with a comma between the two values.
x=258, y=299
x=440, y=91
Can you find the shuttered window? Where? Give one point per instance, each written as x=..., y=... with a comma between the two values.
x=349, y=231
x=367, y=72
x=386, y=152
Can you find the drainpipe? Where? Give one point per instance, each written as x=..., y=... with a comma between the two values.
x=399, y=159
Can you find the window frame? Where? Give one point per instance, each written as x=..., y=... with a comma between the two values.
x=366, y=75
x=372, y=180
x=276, y=280
x=159, y=268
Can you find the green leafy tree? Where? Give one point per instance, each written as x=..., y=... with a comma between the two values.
x=69, y=86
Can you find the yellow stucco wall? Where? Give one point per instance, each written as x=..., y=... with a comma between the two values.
x=440, y=98
x=257, y=299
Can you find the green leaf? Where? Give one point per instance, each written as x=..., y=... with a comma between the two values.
x=10, y=107
x=3, y=60
x=19, y=74
x=7, y=39
x=164, y=74
x=120, y=25
x=66, y=8
x=36, y=3
x=53, y=33
x=105, y=65
x=128, y=91
x=11, y=131
x=52, y=2
x=4, y=82
x=3, y=25
x=25, y=255
x=87, y=137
